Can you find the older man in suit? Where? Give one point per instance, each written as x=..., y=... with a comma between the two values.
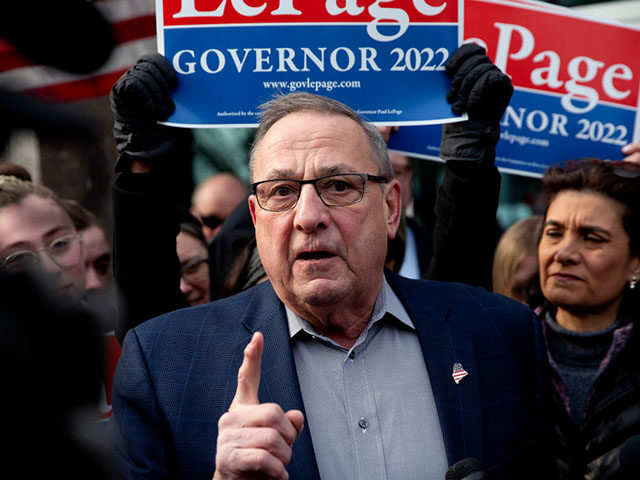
x=334, y=367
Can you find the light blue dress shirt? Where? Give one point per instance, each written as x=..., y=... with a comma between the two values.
x=370, y=409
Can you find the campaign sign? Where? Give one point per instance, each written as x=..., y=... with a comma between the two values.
x=383, y=58
x=576, y=86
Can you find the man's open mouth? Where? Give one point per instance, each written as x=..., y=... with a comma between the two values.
x=315, y=255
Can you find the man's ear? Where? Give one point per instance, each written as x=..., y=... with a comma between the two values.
x=252, y=208
x=393, y=201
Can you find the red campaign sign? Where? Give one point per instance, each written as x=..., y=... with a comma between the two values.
x=214, y=12
x=555, y=51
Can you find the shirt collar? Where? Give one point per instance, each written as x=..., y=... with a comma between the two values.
x=386, y=303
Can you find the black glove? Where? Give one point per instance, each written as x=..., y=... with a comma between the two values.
x=479, y=88
x=139, y=99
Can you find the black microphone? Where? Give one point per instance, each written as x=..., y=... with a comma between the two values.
x=467, y=469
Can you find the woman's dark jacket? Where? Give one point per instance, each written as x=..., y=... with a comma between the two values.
x=597, y=449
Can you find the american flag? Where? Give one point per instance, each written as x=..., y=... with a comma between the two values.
x=134, y=27
x=458, y=372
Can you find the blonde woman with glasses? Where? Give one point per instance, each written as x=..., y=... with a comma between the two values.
x=37, y=234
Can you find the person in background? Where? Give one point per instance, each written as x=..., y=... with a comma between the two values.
x=51, y=368
x=515, y=264
x=38, y=236
x=98, y=296
x=37, y=232
x=99, y=289
x=214, y=199
x=191, y=247
x=245, y=272
x=589, y=258
x=417, y=238
x=97, y=246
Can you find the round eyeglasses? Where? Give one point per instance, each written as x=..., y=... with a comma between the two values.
x=64, y=251
x=338, y=190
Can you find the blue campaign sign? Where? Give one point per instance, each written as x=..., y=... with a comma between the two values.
x=536, y=133
x=389, y=71
x=575, y=96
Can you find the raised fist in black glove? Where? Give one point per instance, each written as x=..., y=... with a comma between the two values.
x=139, y=99
x=479, y=88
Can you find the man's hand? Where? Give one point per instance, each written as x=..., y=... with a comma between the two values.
x=254, y=440
x=386, y=132
x=139, y=100
x=632, y=152
x=480, y=89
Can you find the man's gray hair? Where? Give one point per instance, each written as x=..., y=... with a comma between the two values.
x=281, y=106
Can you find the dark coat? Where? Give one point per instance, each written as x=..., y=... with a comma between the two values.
x=178, y=374
x=593, y=450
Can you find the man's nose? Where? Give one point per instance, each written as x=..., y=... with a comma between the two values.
x=310, y=212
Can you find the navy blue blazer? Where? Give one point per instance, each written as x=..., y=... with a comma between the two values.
x=177, y=375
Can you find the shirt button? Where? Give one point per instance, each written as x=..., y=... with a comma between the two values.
x=362, y=423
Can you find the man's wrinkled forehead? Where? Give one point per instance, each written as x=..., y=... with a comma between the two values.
x=337, y=139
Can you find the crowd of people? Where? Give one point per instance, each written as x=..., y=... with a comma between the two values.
x=307, y=324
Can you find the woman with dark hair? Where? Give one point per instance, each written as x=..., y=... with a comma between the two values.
x=191, y=247
x=589, y=256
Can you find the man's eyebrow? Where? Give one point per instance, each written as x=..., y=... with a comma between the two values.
x=279, y=173
x=329, y=170
x=336, y=169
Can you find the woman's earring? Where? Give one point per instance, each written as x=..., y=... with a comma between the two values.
x=633, y=282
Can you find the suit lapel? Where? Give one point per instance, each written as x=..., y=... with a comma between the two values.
x=442, y=346
x=279, y=380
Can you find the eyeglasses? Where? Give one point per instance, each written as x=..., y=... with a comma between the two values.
x=626, y=169
x=193, y=270
x=64, y=251
x=211, y=221
x=338, y=190
x=620, y=168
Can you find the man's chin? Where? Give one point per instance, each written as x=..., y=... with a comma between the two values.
x=321, y=292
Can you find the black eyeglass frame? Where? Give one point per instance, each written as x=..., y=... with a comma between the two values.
x=192, y=263
x=620, y=168
x=366, y=177
x=625, y=169
x=211, y=221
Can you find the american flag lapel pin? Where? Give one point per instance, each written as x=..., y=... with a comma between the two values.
x=458, y=372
